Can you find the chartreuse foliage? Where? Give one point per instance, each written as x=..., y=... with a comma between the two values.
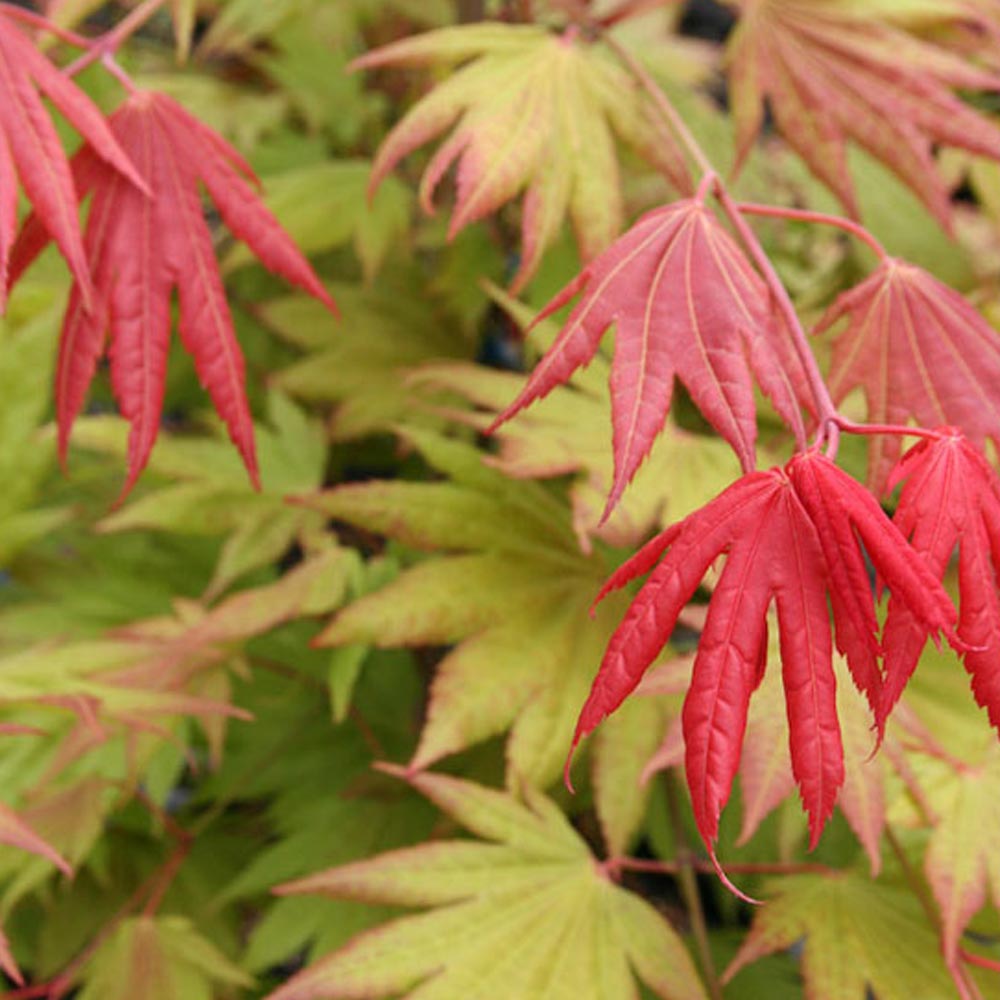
x=302, y=739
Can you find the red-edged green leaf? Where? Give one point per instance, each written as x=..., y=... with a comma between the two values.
x=919, y=351
x=860, y=937
x=525, y=911
x=533, y=112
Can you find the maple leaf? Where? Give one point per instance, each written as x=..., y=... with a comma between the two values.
x=159, y=958
x=30, y=151
x=782, y=542
x=961, y=861
x=950, y=496
x=204, y=488
x=568, y=434
x=765, y=769
x=524, y=911
x=862, y=937
x=684, y=302
x=141, y=248
x=513, y=605
x=834, y=71
x=535, y=111
x=918, y=350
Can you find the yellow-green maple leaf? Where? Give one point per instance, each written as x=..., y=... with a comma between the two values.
x=526, y=911
x=508, y=587
x=533, y=111
x=862, y=937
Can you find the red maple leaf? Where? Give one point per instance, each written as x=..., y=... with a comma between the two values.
x=833, y=72
x=789, y=535
x=918, y=350
x=950, y=496
x=143, y=247
x=30, y=150
x=685, y=303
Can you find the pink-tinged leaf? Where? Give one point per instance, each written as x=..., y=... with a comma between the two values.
x=241, y=209
x=919, y=352
x=834, y=73
x=17, y=833
x=950, y=496
x=40, y=160
x=684, y=303
x=142, y=247
x=8, y=216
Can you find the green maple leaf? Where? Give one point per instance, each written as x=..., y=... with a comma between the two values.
x=362, y=363
x=862, y=937
x=206, y=490
x=511, y=593
x=158, y=958
x=323, y=206
x=527, y=912
x=532, y=111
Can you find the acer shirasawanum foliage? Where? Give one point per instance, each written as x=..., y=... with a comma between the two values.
x=140, y=246
x=186, y=748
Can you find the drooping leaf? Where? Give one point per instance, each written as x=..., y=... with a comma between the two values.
x=30, y=151
x=919, y=351
x=142, y=248
x=685, y=303
x=861, y=938
x=951, y=496
x=834, y=72
x=536, y=112
x=525, y=911
x=779, y=545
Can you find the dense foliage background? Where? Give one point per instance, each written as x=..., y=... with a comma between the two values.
x=208, y=693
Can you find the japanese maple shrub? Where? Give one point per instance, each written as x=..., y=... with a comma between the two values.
x=270, y=691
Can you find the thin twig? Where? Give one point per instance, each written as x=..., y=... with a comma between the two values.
x=108, y=44
x=829, y=431
x=821, y=218
x=689, y=890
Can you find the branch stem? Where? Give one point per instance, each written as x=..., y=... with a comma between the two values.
x=689, y=891
x=829, y=431
x=100, y=49
x=821, y=218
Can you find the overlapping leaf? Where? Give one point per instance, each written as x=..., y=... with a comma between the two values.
x=919, y=351
x=523, y=912
x=951, y=497
x=861, y=938
x=765, y=769
x=206, y=493
x=791, y=536
x=509, y=590
x=30, y=151
x=535, y=112
x=961, y=862
x=363, y=365
x=160, y=958
x=685, y=303
x=835, y=72
x=142, y=247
